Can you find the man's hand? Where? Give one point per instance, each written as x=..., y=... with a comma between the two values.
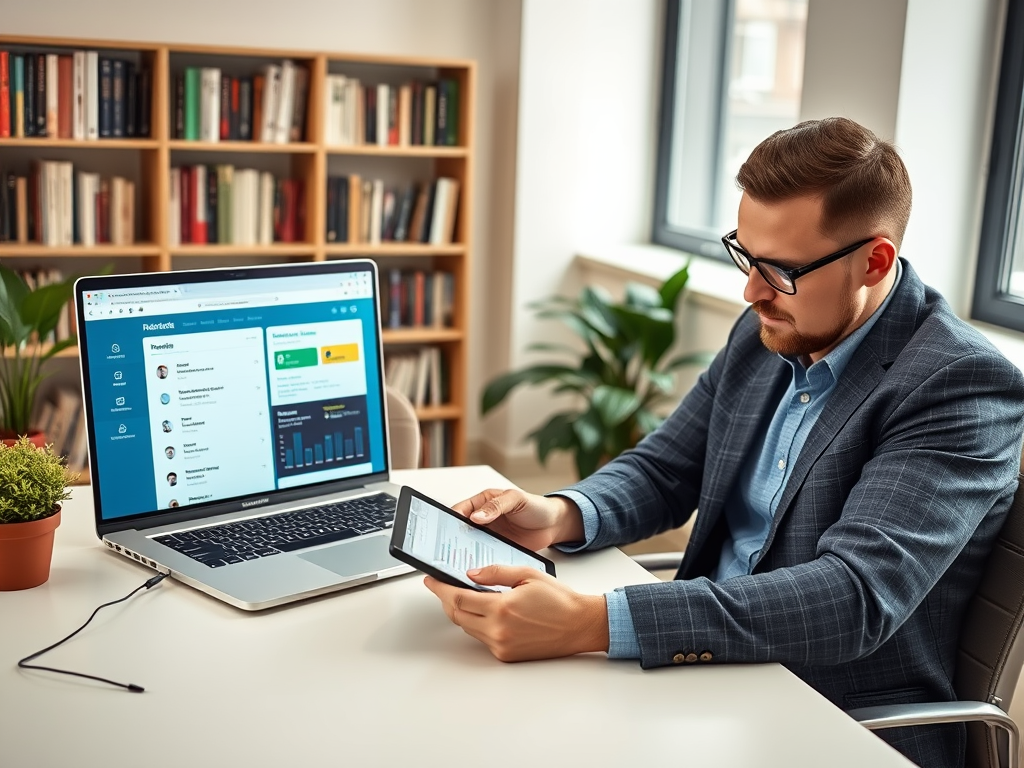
x=534, y=521
x=540, y=618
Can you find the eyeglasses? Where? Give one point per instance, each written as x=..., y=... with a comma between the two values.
x=781, y=279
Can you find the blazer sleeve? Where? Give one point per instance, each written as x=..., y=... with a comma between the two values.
x=947, y=456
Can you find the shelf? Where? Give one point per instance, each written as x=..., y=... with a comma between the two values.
x=294, y=148
x=438, y=412
x=67, y=352
x=36, y=250
x=396, y=151
x=394, y=249
x=82, y=143
x=420, y=335
x=215, y=251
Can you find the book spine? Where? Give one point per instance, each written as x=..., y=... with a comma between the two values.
x=383, y=114
x=92, y=95
x=41, y=97
x=21, y=206
x=5, y=96
x=212, y=225
x=131, y=99
x=271, y=97
x=285, y=104
x=209, y=104
x=234, y=108
x=179, y=106
x=298, y=121
x=106, y=111
x=18, y=88
x=225, y=108
x=354, y=198
x=198, y=191
x=187, y=208
x=441, y=118
x=78, y=107
x=192, y=95
x=65, y=96
x=452, y=120
x=245, y=102
x=30, y=94
x=145, y=89
x=332, y=209
x=117, y=100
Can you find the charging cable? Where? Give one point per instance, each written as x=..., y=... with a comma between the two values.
x=23, y=664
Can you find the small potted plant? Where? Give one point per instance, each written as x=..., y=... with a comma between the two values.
x=33, y=482
x=27, y=318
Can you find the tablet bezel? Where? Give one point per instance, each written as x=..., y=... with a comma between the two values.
x=402, y=521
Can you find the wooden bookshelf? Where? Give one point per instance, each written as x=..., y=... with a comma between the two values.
x=311, y=161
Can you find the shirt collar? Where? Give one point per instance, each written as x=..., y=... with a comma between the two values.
x=835, y=361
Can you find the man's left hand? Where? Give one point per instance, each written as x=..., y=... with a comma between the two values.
x=539, y=618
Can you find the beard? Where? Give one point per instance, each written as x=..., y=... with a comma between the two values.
x=791, y=342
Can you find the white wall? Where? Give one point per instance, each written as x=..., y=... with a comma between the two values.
x=588, y=88
x=484, y=30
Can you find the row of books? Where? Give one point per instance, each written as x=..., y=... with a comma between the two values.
x=39, y=277
x=56, y=206
x=78, y=95
x=363, y=211
x=412, y=114
x=422, y=375
x=417, y=298
x=435, y=444
x=240, y=206
x=61, y=418
x=268, y=107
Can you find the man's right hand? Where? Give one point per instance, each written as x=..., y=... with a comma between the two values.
x=534, y=521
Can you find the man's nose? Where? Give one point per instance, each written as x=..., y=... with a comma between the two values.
x=757, y=289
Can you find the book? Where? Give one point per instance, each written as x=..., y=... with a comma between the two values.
x=193, y=95
x=17, y=106
x=224, y=126
x=41, y=99
x=52, y=95
x=285, y=103
x=145, y=102
x=30, y=95
x=79, y=107
x=297, y=130
x=429, y=114
x=234, y=91
x=178, y=127
x=209, y=106
x=92, y=95
x=271, y=103
x=5, y=96
x=174, y=209
x=106, y=90
x=117, y=121
x=245, y=104
x=355, y=205
x=131, y=99
x=211, y=205
x=199, y=230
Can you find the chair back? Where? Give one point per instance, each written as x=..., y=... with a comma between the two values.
x=991, y=647
x=403, y=431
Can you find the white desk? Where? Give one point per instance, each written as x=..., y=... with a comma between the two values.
x=374, y=676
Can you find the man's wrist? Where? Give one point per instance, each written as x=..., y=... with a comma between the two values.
x=571, y=528
x=592, y=633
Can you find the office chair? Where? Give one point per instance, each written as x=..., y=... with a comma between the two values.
x=989, y=658
x=403, y=431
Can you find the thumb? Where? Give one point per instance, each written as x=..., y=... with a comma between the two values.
x=502, y=575
x=499, y=505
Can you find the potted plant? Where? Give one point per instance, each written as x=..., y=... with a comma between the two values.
x=621, y=375
x=27, y=318
x=33, y=482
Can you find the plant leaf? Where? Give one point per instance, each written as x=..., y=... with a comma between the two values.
x=673, y=287
x=642, y=295
x=556, y=435
x=662, y=380
x=595, y=309
x=648, y=421
x=42, y=308
x=589, y=430
x=614, y=404
x=12, y=295
x=497, y=390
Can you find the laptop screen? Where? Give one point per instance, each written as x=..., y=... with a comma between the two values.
x=216, y=385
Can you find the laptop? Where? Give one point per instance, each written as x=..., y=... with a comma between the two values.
x=237, y=427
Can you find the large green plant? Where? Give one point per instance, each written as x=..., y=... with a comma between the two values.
x=621, y=376
x=32, y=482
x=27, y=317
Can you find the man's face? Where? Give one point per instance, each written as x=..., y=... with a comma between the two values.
x=829, y=301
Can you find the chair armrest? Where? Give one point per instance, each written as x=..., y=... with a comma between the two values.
x=896, y=715
x=659, y=561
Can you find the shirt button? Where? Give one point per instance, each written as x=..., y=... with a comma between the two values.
x=782, y=463
x=691, y=657
x=678, y=658
x=706, y=656
x=805, y=398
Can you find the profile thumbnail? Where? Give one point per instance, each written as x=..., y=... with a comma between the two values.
x=161, y=371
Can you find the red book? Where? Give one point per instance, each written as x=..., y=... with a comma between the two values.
x=299, y=226
x=187, y=206
x=103, y=212
x=234, y=112
x=257, y=107
x=196, y=195
x=5, y=96
x=65, y=95
x=225, y=108
x=288, y=211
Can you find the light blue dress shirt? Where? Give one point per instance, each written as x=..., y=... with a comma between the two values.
x=750, y=509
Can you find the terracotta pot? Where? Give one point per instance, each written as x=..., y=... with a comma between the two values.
x=25, y=552
x=38, y=439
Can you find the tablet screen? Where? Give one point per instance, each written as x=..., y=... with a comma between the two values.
x=446, y=542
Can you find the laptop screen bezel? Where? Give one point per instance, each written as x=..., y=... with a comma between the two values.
x=250, y=502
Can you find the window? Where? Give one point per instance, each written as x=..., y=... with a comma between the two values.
x=999, y=287
x=732, y=75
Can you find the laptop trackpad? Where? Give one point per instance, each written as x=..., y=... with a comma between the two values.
x=354, y=557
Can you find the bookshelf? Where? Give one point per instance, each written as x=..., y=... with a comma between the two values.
x=149, y=162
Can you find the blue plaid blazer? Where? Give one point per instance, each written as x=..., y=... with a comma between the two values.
x=881, y=533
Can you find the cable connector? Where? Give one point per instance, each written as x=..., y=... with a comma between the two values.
x=155, y=580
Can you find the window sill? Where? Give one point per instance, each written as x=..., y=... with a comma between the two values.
x=719, y=286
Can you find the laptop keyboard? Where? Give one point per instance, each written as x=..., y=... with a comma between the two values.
x=266, y=536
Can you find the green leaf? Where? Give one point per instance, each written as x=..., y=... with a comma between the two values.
x=641, y=295
x=13, y=291
x=648, y=421
x=42, y=308
x=556, y=434
x=614, y=405
x=587, y=462
x=58, y=346
x=497, y=390
x=542, y=346
x=662, y=380
x=673, y=287
x=589, y=430
x=595, y=309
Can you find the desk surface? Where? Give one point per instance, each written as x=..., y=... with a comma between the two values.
x=370, y=676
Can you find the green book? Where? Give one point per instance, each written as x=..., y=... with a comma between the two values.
x=192, y=87
x=452, y=124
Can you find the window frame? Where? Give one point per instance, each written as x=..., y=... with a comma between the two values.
x=662, y=232
x=1004, y=190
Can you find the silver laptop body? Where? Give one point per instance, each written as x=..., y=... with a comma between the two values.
x=232, y=395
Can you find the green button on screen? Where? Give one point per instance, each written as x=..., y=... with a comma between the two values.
x=295, y=358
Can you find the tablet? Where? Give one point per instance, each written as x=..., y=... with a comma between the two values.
x=442, y=543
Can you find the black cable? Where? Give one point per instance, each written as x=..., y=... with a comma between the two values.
x=23, y=663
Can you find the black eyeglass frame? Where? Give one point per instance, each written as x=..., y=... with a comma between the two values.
x=732, y=247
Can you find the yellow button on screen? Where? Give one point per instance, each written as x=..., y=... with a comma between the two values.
x=339, y=353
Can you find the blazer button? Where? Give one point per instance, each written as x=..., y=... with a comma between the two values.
x=705, y=656
x=691, y=657
x=678, y=658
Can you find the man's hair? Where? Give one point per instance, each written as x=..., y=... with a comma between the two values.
x=861, y=180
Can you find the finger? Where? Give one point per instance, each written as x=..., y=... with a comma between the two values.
x=503, y=575
x=467, y=506
x=505, y=503
x=457, y=598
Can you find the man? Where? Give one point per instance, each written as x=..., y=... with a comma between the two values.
x=853, y=451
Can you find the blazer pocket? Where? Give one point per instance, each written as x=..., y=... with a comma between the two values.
x=883, y=698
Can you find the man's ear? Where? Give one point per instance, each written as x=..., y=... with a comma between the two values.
x=881, y=261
